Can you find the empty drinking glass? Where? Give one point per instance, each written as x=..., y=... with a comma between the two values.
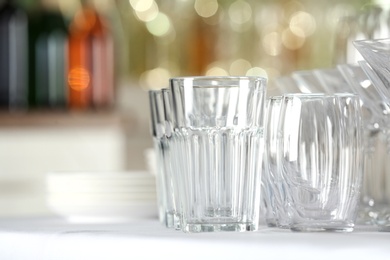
x=162, y=135
x=157, y=131
x=274, y=190
x=319, y=155
x=219, y=138
x=375, y=112
x=376, y=65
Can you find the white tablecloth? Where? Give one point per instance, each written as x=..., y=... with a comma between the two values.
x=56, y=239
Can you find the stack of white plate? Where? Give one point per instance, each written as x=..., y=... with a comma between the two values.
x=96, y=196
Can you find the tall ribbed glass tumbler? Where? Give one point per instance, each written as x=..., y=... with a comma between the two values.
x=160, y=115
x=219, y=137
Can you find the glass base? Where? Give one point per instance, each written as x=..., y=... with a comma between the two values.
x=172, y=220
x=374, y=216
x=230, y=227
x=283, y=226
x=383, y=219
x=323, y=227
x=271, y=223
x=283, y=223
x=367, y=215
x=162, y=217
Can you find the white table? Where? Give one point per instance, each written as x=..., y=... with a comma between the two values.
x=56, y=239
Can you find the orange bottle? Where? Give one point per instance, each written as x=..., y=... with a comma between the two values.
x=90, y=71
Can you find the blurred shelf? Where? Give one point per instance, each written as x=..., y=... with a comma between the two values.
x=49, y=118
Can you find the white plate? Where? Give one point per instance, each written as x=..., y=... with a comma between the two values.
x=106, y=213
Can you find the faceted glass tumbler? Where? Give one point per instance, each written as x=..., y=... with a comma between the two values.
x=162, y=134
x=320, y=158
x=219, y=139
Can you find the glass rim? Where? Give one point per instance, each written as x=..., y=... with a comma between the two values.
x=372, y=41
x=222, y=78
x=277, y=97
x=158, y=90
x=320, y=95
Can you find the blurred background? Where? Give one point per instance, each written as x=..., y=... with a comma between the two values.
x=74, y=74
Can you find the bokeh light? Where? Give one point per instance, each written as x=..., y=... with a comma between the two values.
x=272, y=43
x=160, y=25
x=240, y=12
x=206, y=8
x=141, y=5
x=302, y=24
x=239, y=67
x=290, y=8
x=257, y=71
x=216, y=69
x=148, y=14
x=155, y=79
x=292, y=41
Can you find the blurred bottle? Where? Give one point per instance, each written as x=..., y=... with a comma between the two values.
x=90, y=75
x=47, y=48
x=13, y=56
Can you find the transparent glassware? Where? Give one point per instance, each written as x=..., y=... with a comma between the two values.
x=376, y=53
x=320, y=158
x=219, y=132
x=287, y=84
x=351, y=78
x=307, y=82
x=274, y=191
x=332, y=81
x=375, y=113
x=157, y=132
x=162, y=146
x=172, y=164
x=268, y=208
x=358, y=81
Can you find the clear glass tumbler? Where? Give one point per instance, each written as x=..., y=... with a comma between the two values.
x=162, y=135
x=375, y=112
x=157, y=131
x=320, y=155
x=171, y=163
x=219, y=140
x=275, y=188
